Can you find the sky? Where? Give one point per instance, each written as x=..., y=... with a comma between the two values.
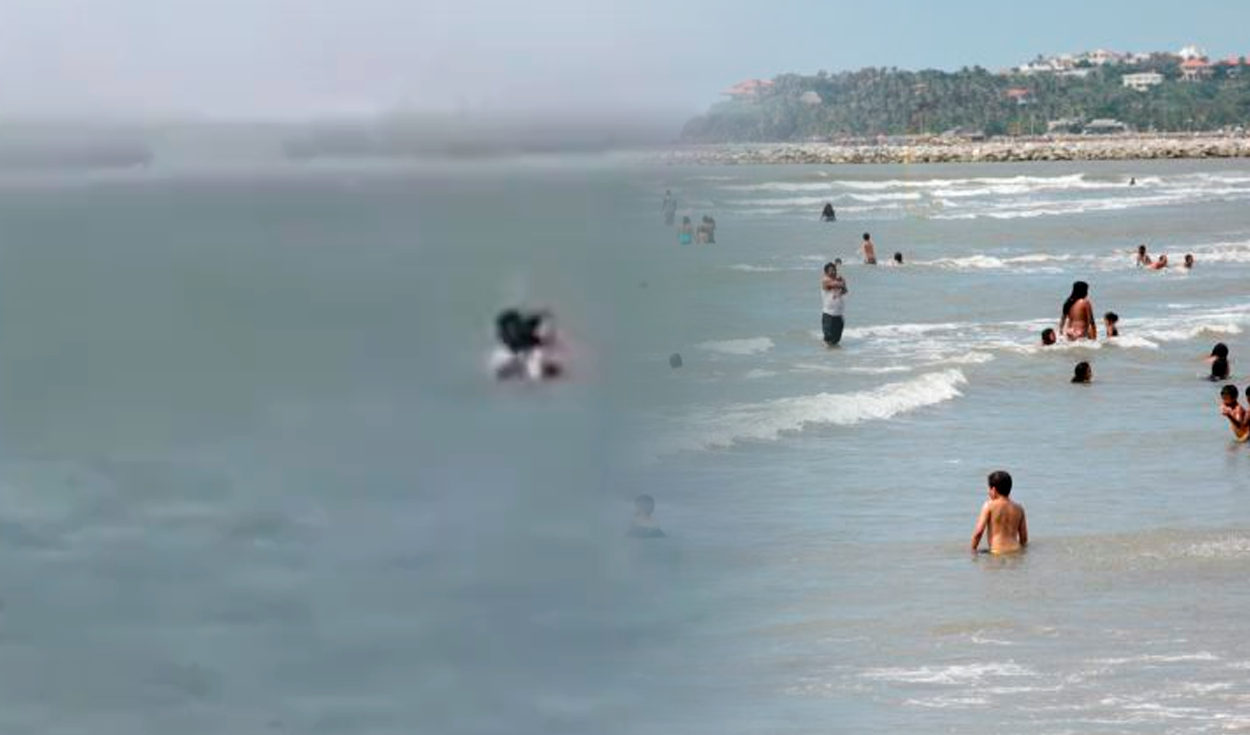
x=296, y=59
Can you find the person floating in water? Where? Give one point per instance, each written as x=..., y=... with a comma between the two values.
x=1159, y=264
x=685, y=233
x=1132, y=181
x=1221, y=366
x=868, y=250
x=1231, y=409
x=669, y=207
x=1048, y=337
x=1189, y=261
x=1002, y=518
x=1110, y=321
x=828, y=215
x=1082, y=374
x=644, y=525
x=528, y=346
x=898, y=259
x=1076, y=321
x=833, y=290
x=1143, y=260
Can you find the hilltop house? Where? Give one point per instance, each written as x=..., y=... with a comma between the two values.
x=1142, y=81
x=750, y=90
x=1020, y=95
x=1195, y=70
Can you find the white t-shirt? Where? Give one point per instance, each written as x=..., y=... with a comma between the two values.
x=831, y=301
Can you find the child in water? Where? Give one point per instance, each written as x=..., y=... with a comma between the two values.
x=1110, y=320
x=1220, y=365
x=1048, y=337
x=1083, y=373
x=1232, y=410
x=644, y=526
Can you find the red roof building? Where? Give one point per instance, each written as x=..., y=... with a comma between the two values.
x=750, y=89
x=1193, y=70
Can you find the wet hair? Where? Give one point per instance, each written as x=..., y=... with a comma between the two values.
x=517, y=331
x=645, y=503
x=1082, y=373
x=1112, y=317
x=898, y=258
x=1141, y=249
x=1219, y=369
x=1189, y=258
x=1230, y=391
x=1048, y=336
x=1080, y=290
x=1219, y=350
x=831, y=267
x=1247, y=391
x=1000, y=481
x=867, y=236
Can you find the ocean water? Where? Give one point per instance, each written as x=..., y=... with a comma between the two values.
x=823, y=500
x=256, y=479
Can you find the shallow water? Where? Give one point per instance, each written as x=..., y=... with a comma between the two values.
x=826, y=497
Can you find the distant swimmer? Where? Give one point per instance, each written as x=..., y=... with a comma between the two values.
x=868, y=250
x=1048, y=337
x=669, y=207
x=528, y=346
x=898, y=259
x=828, y=215
x=685, y=233
x=1077, y=318
x=1082, y=373
x=1160, y=264
x=1231, y=409
x=1002, y=518
x=1189, y=261
x=1111, y=321
x=644, y=525
x=1143, y=259
x=833, y=290
x=1221, y=365
x=1132, y=181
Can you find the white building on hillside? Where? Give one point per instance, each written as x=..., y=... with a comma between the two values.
x=1143, y=81
x=1191, y=52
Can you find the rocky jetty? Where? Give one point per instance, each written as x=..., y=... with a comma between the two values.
x=956, y=150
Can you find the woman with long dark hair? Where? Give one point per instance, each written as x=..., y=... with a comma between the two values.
x=1077, y=319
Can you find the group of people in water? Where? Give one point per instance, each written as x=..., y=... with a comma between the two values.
x=1157, y=264
x=687, y=232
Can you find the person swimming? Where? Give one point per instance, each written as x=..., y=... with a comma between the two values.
x=1189, y=261
x=827, y=214
x=527, y=346
x=1231, y=409
x=1082, y=373
x=1111, y=321
x=1160, y=264
x=1048, y=337
x=1003, y=518
x=898, y=259
x=1076, y=321
x=1221, y=365
x=1142, y=258
x=644, y=525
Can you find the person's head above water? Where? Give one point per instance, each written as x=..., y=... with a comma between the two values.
x=831, y=270
x=1000, y=482
x=898, y=258
x=644, y=505
x=1219, y=350
x=1189, y=260
x=1229, y=395
x=1083, y=373
x=867, y=237
x=1141, y=249
x=1112, y=319
x=1048, y=336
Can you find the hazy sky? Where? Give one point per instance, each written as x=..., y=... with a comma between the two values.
x=294, y=58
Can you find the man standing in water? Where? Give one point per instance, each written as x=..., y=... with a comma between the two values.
x=1003, y=518
x=669, y=207
x=833, y=289
x=869, y=250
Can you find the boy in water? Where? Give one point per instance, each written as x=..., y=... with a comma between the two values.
x=868, y=250
x=1048, y=337
x=1083, y=373
x=1003, y=518
x=1142, y=258
x=1110, y=320
x=1189, y=261
x=1232, y=410
x=644, y=526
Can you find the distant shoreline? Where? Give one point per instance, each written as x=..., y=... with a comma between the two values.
x=918, y=149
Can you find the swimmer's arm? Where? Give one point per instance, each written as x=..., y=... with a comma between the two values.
x=1024, y=528
x=982, y=522
x=1090, y=320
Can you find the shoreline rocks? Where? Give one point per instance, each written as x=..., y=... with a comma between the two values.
x=947, y=150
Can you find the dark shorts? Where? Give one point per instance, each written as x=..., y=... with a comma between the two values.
x=832, y=327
